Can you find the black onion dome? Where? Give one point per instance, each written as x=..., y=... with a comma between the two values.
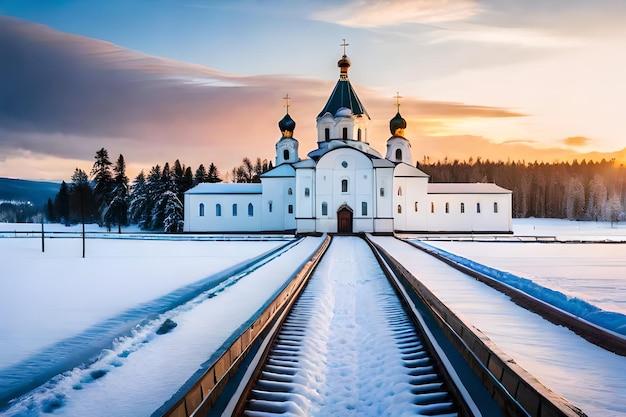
x=287, y=123
x=397, y=122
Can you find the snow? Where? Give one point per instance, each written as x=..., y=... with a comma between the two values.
x=47, y=298
x=590, y=377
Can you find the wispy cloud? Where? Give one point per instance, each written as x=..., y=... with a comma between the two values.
x=499, y=35
x=64, y=96
x=577, y=141
x=376, y=13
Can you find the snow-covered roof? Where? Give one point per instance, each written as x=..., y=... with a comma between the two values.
x=406, y=170
x=305, y=163
x=466, y=188
x=282, y=170
x=226, y=188
x=382, y=163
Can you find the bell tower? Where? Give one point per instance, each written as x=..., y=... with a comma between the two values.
x=287, y=145
x=398, y=147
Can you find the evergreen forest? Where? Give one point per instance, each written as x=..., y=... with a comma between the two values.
x=585, y=190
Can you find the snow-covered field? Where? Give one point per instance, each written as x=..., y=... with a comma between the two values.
x=46, y=298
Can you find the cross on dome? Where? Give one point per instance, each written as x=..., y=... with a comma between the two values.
x=286, y=98
x=398, y=97
x=344, y=44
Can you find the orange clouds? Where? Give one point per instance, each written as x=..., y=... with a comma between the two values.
x=577, y=141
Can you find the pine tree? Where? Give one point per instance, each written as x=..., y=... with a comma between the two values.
x=103, y=184
x=139, y=201
x=201, y=175
x=62, y=204
x=117, y=211
x=82, y=203
x=173, y=221
x=213, y=174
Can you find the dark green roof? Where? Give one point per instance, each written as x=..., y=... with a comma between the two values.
x=343, y=96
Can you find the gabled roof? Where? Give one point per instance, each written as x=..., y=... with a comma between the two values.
x=344, y=96
x=406, y=170
x=466, y=188
x=226, y=188
x=282, y=170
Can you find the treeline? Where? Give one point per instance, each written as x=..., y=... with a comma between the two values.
x=583, y=190
x=154, y=201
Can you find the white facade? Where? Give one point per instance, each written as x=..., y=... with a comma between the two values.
x=346, y=186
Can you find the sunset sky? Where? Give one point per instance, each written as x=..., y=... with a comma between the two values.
x=202, y=80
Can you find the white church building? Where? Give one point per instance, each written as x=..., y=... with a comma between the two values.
x=346, y=186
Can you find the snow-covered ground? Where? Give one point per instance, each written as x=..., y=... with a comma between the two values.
x=46, y=298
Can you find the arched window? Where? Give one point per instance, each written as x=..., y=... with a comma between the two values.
x=358, y=133
x=269, y=205
x=432, y=207
x=399, y=209
x=234, y=209
x=307, y=192
x=286, y=154
x=364, y=208
x=345, y=133
x=201, y=210
x=218, y=210
x=327, y=133
x=495, y=206
x=399, y=154
x=289, y=191
x=344, y=186
x=477, y=207
x=250, y=210
x=382, y=192
x=416, y=208
x=399, y=190
x=462, y=207
x=324, y=209
x=447, y=207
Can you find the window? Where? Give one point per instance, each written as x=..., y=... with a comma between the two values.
x=344, y=186
x=345, y=133
x=447, y=207
x=462, y=207
x=327, y=134
x=382, y=192
x=269, y=205
x=364, y=208
x=286, y=154
x=477, y=207
x=416, y=208
x=432, y=207
x=399, y=209
x=250, y=210
x=495, y=207
x=234, y=209
x=358, y=133
x=307, y=191
x=289, y=191
x=201, y=213
x=324, y=209
x=218, y=210
x=290, y=209
x=399, y=190
x=399, y=154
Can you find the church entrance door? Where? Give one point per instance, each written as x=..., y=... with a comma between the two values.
x=344, y=220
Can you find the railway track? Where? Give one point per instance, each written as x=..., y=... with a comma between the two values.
x=359, y=339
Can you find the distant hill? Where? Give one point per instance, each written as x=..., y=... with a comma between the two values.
x=37, y=192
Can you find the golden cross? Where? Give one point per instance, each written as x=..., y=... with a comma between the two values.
x=286, y=98
x=344, y=44
x=398, y=97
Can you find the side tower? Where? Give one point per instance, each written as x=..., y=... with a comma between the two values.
x=287, y=145
x=343, y=117
x=398, y=147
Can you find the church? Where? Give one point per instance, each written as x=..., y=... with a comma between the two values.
x=346, y=186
